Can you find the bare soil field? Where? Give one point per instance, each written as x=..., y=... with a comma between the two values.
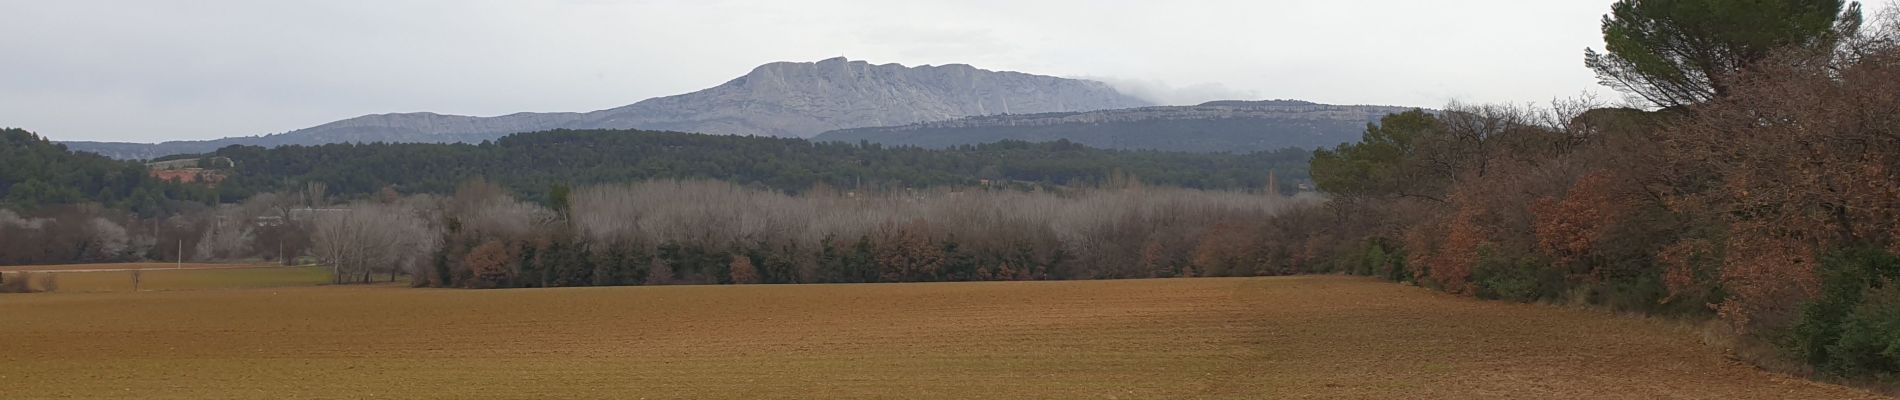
x=1297, y=337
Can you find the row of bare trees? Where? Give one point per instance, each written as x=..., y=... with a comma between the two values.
x=366, y=239
x=714, y=232
x=67, y=234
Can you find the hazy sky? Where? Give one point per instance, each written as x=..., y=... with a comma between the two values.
x=163, y=70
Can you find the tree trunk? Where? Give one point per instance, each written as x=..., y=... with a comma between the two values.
x=336, y=268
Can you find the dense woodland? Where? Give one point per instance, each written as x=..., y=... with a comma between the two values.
x=529, y=163
x=35, y=172
x=1762, y=191
x=61, y=206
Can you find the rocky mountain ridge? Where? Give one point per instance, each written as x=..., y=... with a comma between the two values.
x=791, y=99
x=1219, y=126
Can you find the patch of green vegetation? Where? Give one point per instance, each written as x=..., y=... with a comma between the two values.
x=192, y=279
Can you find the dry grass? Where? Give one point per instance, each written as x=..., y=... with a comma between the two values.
x=118, y=277
x=1303, y=337
x=126, y=266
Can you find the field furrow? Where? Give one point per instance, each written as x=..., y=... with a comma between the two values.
x=1299, y=337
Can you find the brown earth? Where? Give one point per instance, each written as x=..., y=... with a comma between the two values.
x=1300, y=337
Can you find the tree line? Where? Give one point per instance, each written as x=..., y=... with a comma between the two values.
x=58, y=206
x=35, y=173
x=526, y=163
x=711, y=232
x=1757, y=187
x=65, y=206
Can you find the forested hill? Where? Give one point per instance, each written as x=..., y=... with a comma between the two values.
x=1220, y=126
x=529, y=163
x=36, y=172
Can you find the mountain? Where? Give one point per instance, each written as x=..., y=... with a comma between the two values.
x=787, y=99
x=386, y=128
x=1218, y=126
x=35, y=172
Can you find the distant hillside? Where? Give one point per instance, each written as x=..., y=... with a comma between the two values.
x=1219, y=126
x=779, y=99
x=35, y=172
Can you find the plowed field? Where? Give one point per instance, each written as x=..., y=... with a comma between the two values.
x=1300, y=337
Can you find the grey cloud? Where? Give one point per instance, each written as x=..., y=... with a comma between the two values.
x=1158, y=92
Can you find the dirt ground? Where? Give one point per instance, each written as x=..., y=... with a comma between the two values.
x=1298, y=337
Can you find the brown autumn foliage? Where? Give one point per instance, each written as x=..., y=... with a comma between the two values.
x=905, y=252
x=1155, y=261
x=1227, y=249
x=1739, y=209
x=491, y=265
x=743, y=272
x=1689, y=268
x=1804, y=159
x=1465, y=236
x=1421, y=242
x=1571, y=229
x=1489, y=215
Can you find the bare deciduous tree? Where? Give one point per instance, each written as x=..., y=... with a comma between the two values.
x=367, y=238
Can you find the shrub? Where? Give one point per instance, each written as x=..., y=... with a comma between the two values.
x=1373, y=257
x=1691, y=273
x=49, y=283
x=1372, y=260
x=1385, y=261
x=1395, y=267
x=1522, y=279
x=568, y=263
x=624, y=264
x=661, y=273
x=1870, y=336
x=1226, y=249
x=28, y=282
x=1641, y=293
x=489, y=266
x=1853, y=327
x=743, y=272
x=18, y=282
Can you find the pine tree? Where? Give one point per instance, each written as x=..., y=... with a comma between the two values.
x=1682, y=52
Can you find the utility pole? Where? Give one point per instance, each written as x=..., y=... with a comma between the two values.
x=1273, y=183
x=181, y=255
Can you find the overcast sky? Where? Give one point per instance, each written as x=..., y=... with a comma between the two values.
x=149, y=71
